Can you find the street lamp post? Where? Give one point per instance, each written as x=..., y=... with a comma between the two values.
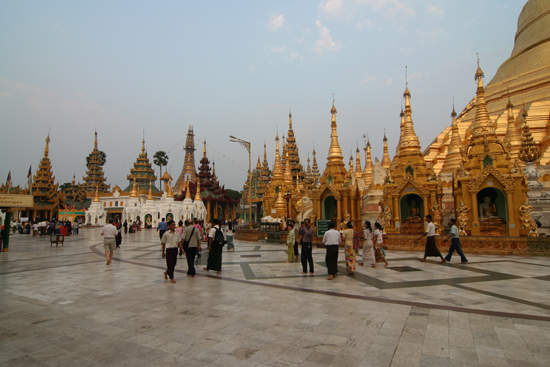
x=246, y=145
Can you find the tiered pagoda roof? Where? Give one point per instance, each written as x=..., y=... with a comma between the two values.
x=296, y=168
x=188, y=172
x=141, y=174
x=94, y=178
x=43, y=187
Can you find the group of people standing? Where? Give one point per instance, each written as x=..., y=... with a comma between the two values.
x=373, y=246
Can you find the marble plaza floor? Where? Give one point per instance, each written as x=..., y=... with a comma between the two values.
x=65, y=307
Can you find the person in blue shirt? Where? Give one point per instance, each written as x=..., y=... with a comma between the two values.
x=161, y=228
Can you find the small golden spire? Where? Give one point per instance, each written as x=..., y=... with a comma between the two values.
x=187, y=191
x=367, y=172
x=96, y=198
x=288, y=171
x=204, y=149
x=169, y=192
x=198, y=193
x=482, y=124
x=277, y=169
x=334, y=152
x=358, y=171
x=47, y=149
x=529, y=151
x=453, y=159
x=134, y=193
x=150, y=194
x=386, y=161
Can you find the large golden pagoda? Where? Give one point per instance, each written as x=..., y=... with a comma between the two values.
x=524, y=79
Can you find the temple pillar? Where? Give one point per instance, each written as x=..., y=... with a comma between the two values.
x=397, y=215
x=513, y=230
x=426, y=208
x=338, y=211
x=207, y=219
x=353, y=211
x=476, y=231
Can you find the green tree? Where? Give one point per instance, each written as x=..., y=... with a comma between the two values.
x=160, y=159
x=102, y=159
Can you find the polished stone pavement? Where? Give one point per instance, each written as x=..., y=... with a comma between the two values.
x=65, y=307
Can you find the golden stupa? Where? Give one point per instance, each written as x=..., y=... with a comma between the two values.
x=521, y=84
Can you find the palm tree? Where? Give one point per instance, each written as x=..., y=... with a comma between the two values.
x=160, y=159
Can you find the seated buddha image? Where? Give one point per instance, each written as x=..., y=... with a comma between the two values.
x=488, y=209
x=414, y=212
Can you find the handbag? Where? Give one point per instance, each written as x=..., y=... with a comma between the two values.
x=186, y=243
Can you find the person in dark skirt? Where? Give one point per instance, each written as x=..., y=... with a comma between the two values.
x=431, y=248
x=331, y=239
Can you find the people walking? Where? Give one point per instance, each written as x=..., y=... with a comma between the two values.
x=109, y=233
x=215, y=248
x=192, y=242
x=171, y=241
x=455, y=243
x=290, y=239
x=307, y=239
x=161, y=228
x=125, y=225
x=296, y=241
x=230, y=233
x=348, y=236
x=368, y=246
x=431, y=248
x=379, y=255
x=331, y=239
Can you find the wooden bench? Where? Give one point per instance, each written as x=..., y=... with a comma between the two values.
x=57, y=239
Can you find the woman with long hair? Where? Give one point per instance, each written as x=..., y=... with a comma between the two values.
x=378, y=253
x=368, y=246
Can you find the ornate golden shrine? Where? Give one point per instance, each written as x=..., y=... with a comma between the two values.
x=411, y=191
x=487, y=182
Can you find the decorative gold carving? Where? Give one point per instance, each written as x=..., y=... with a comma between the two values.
x=506, y=181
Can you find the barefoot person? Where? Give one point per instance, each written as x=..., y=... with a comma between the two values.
x=109, y=232
x=379, y=255
x=331, y=239
x=171, y=241
x=431, y=248
x=215, y=248
x=455, y=243
x=290, y=239
x=368, y=246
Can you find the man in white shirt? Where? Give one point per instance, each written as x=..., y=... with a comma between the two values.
x=172, y=242
x=455, y=242
x=331, y=239
x=109, y=243
x=431, y=248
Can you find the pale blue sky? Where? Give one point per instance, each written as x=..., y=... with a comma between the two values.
x=233, y=68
